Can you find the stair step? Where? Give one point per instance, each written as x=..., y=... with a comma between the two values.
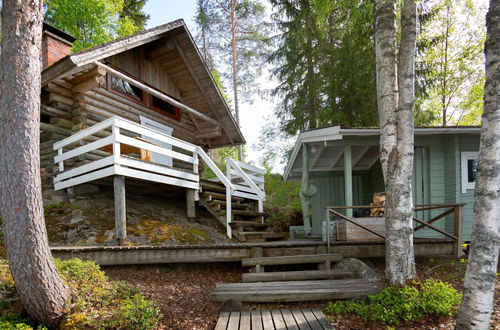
x=249, y=224
x=291, y=260
x=213, y=196
x=247, y=213
x=212, y=186
x=295, y=275
x=262, y=234
x=294, y=290
x=244, y=206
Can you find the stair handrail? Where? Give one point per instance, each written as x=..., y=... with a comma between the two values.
x=218, y=173
x=259, y=192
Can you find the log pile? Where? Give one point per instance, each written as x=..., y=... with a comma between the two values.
x=378, y=200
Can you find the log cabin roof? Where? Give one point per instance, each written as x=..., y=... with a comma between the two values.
x=173, y=46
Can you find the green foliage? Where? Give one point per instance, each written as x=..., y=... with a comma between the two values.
x=94, y=22
x=97, y=303
x=325, y=62
x=282, y=202
x=134, y=313
x=399, y=304
x=450, y=63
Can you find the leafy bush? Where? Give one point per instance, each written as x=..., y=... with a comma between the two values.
x=396, y=304
x=282, y=202
x=97, y=303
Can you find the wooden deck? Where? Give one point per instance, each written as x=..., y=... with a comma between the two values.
x=298, y=319
x=234, y=252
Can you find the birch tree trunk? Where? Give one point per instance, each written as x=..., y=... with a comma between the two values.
x=43, y=294
x=395, y=98
x=479, y=284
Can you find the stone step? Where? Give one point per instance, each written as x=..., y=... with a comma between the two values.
x=291, y=260
x=295, y=275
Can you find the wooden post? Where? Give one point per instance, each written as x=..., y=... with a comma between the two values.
x=191, y=204
x=348, y=179
x=457, y=230
x=120, y=209
x=257, y=252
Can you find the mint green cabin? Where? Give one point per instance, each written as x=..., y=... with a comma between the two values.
x=344, y=166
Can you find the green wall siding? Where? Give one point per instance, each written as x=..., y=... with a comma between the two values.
x=438, y=176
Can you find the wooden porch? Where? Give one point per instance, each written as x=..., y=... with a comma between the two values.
x=120, y=149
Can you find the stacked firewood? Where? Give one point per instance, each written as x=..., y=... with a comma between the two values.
x=378, y=200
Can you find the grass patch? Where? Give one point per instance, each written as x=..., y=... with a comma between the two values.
x=395, y=304
x=97, y=302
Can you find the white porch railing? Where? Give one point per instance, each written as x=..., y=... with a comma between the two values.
x=106, y=144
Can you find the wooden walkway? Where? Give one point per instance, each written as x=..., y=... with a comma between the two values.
x=297, y=319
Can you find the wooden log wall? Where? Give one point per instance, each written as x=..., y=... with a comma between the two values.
x=81, y=101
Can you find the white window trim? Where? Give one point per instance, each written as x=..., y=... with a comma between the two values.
x=465, y=156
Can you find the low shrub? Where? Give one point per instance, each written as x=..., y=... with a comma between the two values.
x=97, y=303
x=396, y=304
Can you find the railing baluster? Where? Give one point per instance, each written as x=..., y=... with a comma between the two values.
x=229, y=216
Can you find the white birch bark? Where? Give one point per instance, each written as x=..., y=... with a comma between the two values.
x=479, y=285
x=395, y=98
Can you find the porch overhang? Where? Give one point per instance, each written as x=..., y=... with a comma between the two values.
x=327, y=147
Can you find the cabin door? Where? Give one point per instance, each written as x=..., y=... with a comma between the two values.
x=157, y=158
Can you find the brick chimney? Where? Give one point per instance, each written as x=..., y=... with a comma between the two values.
x=56, y=44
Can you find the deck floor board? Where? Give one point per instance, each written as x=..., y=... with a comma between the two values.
x=305, y=319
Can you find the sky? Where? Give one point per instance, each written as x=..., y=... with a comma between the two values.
x=252, y=116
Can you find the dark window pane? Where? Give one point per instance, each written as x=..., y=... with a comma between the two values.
x=472, y=170
x=124, y=87
x=162, y=105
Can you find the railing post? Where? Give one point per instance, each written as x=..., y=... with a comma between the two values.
x=229, y=215
x=457, y=230
x=328, y=230
x=115, y=131
x=61, y=163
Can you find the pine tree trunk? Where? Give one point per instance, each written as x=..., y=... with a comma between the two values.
x=234, y=70
x=479, y=284
x=395, y=97
x=43, y=294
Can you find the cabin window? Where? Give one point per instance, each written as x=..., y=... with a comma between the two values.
x=134, y=93
x=126, y=89
x=163, y=107
x=469, y=162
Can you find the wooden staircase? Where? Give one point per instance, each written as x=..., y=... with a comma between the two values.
x=323, y=283
x=247, y=223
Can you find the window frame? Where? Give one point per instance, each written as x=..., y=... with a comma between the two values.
x=465, y=156
x=147, y=100
x=176, y=115
x=110, y=88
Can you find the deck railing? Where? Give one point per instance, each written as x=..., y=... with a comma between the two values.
x=455, y=209
x=105, y=149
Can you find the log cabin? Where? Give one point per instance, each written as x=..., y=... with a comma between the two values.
x=343, y=165
x=144, y=108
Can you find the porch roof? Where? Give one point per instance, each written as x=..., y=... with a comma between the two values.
x=326, y=147
x=173, y=44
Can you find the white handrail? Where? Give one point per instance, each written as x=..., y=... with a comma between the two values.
x=216, y=170
x=248, y=181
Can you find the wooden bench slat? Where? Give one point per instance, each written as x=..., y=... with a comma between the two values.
x=222, y=321
x=311, y=319
x=257, y=321
x=279, y=323
x=267, y=320
x=245, y=321
x=301, y=320
x=289, y=320
x=322, y=319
